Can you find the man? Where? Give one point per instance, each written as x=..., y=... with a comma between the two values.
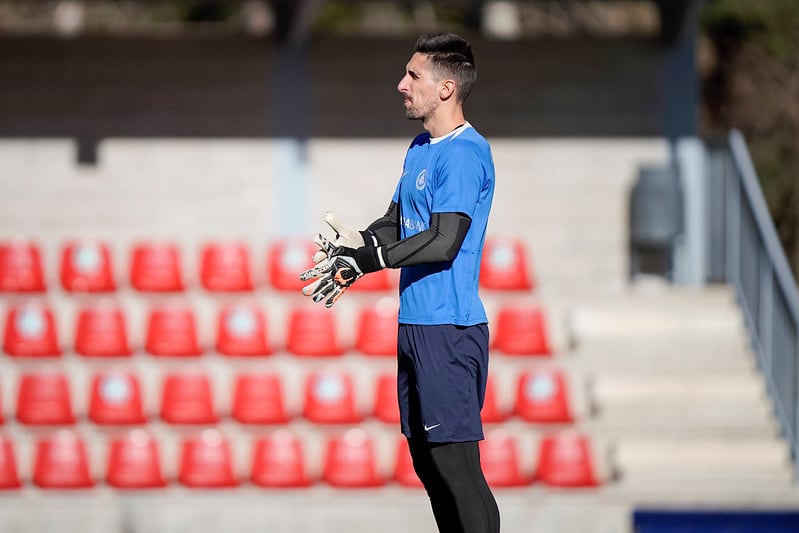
x=434, y=231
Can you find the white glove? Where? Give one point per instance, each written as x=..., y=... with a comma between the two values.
x=345, y=236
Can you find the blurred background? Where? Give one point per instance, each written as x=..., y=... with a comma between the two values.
x=164, y=164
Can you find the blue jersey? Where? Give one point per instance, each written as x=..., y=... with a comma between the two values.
x=453, y=173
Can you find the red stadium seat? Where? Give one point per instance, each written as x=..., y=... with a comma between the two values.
x=30, y=331
x=499, y=456
x=404, y=474
x=386, y=406
x=101, y=331
x=9, y=479
x=351, y=462
x=566, y=460
x=287, y=258
x=312, y=331
x=206, y=461
x=134, y=462
x=542, y=397
x=172, y=331
x=278, y=461
x=492, y=413
x=382, y=280
x=377, y=328
x=21, y=267
x=156, y=267
x=225, y=267
x=521, y=330
x=258, y=399
x=116, y=399
x=330, y=398
x=504, y=266
x=241, y=331
x=61, y=462
x=187, y=399
x=86, y=267
x=43, y=398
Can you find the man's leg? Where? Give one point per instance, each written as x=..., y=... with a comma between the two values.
x=461, y=499
x=441, y=499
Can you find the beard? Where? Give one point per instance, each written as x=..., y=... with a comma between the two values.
x=421, y=111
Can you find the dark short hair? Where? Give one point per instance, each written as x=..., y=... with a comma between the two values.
x=453, y=55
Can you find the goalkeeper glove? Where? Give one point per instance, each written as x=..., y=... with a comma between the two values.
x=345, y=236
x=339, y=271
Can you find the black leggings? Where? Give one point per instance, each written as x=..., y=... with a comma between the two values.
x=459, y=494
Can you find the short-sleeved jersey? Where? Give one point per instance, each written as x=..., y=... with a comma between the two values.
x=453, y=173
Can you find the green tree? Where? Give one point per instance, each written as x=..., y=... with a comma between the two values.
x=754, y=86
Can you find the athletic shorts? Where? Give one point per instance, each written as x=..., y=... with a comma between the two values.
x=441, y=381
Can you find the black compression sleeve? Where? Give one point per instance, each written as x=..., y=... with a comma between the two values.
x=386, y=228
x=440, y=242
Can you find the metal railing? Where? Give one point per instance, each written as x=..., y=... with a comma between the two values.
x=745, y=251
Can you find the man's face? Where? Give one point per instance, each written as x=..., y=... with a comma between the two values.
x=419, y=88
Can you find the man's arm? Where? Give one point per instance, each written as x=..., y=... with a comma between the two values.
x=440, y=242
x=386, y=229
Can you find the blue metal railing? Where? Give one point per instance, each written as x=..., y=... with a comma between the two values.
x=745, y=251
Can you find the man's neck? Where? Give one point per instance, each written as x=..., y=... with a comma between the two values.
x=444, y=122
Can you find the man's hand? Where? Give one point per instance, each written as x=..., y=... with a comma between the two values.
x=340, y=268
x=345, y=236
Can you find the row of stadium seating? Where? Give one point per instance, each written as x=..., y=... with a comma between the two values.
x=88, y=266
x=281, y=459
x=242, y=329
x=328, y=396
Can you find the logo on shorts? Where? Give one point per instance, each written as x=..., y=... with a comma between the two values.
x=428, y=428
x=421, y=180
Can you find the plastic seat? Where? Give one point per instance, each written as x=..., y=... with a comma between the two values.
x=521, y=330
x=386, y=403
x=382, y=280
x=351, y=462
x=278, y=461
x=86, y=267
x=30, y=331
x=187, y=399
x=43, y=398
x=504, y=266
x=134, y=462
x=9, y=478
x=330, y=398
x=225, y=267
x=492, y=413
x=101, y=331
x=172, y=331
x=61, y=462
x=241, y=331
x=116, y=399
x=404, y=474
x=206, y=462
x=156, y=267
x=258, y=399
x=312, y=331
x=377, y=328
x=286, y=259
x=21, y=267
x=565, y=460
x=542, y=397
x=499, y=456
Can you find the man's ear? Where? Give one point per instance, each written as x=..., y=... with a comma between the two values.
x=446, y=89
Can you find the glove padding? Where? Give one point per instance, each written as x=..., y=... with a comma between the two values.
x=341, y=268
x=345, y=236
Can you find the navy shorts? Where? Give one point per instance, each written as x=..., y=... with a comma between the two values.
x=441, y=381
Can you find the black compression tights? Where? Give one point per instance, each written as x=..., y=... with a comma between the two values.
x=459, y=494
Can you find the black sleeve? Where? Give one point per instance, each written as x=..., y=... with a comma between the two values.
x=440, y=242
x=386, y=228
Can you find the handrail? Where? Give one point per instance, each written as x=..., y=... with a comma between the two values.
x=744, y=239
